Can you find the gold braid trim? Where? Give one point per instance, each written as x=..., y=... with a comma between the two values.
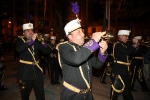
x=133, y=76
x=33, y=57
x=1, y=79
x=114, y=50
x=112, y=93
x=128, y=63
x=138, y=57
x=107, y=69
x=101, y=79
x=57, y=47
x=121, y=90
x=140, y=74
x=50, y=47
x=79, y=66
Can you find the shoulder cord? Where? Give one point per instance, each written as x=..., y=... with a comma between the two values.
x=50, y=47
x=79, y=66
x=114, y=50
x=33, y=56
x=121, y=90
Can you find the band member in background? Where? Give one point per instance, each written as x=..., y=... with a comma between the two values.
x=30, y=74
x=137, y=66
x=146, y=68
x=62, y=40
x=44, y=57
x=121, y=69
x=53, y=61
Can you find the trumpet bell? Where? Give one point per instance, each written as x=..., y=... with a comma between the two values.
x=109, y=35
x=40, y=37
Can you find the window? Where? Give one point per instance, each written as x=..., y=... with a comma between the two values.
x=40, y=22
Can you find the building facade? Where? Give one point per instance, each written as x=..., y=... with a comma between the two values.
x=50, y=16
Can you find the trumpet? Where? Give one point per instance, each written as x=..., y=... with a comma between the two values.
x=40, y=37
x=109, y=35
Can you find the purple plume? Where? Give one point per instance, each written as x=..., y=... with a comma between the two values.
x=29, y=17
x=75, y=8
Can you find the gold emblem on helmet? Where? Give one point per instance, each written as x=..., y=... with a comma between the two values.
x=29, y=25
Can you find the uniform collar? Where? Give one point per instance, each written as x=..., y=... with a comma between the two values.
x=74, y=44
x=121, y=42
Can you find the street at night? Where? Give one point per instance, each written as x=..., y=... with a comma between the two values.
x=100, y=91
x=75, y=50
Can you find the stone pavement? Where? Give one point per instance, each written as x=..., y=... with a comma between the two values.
x=100, y=91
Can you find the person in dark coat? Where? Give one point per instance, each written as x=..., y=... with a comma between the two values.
x=44, y=57
x=146, y=67
x=137, y=67
x=121, y=69
x=76, y=59
x=53, y=61
x=30, y=74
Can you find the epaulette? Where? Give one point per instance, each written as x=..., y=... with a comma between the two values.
x=20, y=36
x=114, y=48
x=60, y=44
x=57, y=46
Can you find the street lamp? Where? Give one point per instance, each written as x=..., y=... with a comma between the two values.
x=9, y=22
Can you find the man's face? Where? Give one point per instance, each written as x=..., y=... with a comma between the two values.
x=124, y=38
x=53, y=41
x=77, y=37
x=28, y=33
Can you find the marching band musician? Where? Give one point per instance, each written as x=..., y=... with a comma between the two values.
x=76, y=60
x=30, y=74
x=53, y=61
x=44, y=57
x=137, y=67
x=120, y=69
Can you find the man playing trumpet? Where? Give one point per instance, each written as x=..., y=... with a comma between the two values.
x=76, y=59
x=30, y=74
